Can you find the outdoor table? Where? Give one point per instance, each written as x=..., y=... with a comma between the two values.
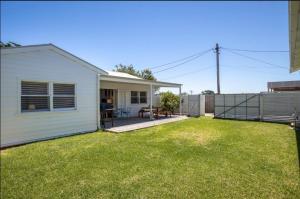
x=143, y=110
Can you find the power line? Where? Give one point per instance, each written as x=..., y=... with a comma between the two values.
x=258, y=71
x=257, y=51
x=255, y=59
x=203, y=53
x=178, y=60
x=252, y=67
x=188, y=73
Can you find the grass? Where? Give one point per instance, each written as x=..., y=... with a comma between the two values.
x=195, y=158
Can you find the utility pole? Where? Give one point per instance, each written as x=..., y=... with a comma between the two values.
x=217, y=49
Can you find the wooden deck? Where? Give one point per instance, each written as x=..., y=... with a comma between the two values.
x=130, y=124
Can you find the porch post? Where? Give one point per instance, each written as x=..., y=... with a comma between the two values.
x=180, y=106
x=151, y=102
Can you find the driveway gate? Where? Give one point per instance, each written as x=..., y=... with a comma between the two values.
x=238, y=106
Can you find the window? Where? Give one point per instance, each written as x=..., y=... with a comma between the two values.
x=34, y=96
x=134, y=97
x=138, y=97
x=63, y=96
x=143, y=97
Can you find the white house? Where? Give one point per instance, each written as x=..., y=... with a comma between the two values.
x=47, y=92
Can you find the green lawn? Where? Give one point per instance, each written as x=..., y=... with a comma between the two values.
x=195, y=158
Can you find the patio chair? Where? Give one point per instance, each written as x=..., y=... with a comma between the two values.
x=126, y=112
x=118, y=112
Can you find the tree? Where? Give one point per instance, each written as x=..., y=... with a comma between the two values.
x=208, y=92
x=169, y=101
x=127, y=69
x=9, y=44
x=145, y=74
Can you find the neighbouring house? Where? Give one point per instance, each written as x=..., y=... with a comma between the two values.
x=283, y=86
x=294, y=35
x=48, y=92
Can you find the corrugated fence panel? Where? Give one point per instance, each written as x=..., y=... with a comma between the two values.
x=237, y=106
x=251, y=106
x=280, y=104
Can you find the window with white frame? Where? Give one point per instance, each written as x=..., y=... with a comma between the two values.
x=63, y=95
x=143, y=97
x=138, y=97
x=34, y=96
x=134, y=97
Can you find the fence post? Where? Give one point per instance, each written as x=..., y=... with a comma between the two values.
x=246, y=107
x=199, y=104
x=224, y=106
x=261, y=106
x=214, y=105
x=188, y=105
x=234, y=106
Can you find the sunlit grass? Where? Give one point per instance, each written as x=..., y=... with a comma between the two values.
x=194, y=158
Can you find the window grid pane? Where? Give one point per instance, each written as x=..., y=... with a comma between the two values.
x=64, y=96
x=63, y=102
x=34, y=103
x=34, y=88
x=34, y=96
x=63, y=89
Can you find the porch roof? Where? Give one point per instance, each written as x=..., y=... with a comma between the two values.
x=126, y=78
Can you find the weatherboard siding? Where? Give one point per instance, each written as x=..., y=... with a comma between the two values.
x=49, y=66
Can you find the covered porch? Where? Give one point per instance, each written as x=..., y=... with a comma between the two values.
x=129, y=100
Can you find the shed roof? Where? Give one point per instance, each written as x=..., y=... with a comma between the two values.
x=284, y=84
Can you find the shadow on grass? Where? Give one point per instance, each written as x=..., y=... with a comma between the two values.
x=297, y=132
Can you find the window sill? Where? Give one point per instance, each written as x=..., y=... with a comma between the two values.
x=139, y=104
x=64, y=109
x=34, y=113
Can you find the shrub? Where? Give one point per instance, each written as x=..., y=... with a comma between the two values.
x=169, y=101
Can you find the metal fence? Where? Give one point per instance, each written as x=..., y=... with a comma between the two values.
x=258, y=106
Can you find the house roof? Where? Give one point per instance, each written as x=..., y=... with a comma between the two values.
x=126, y=78
x=294, y=34
x=120, y=74
x=20, y=49
x=105, y=75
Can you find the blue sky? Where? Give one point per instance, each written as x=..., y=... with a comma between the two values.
x=148, y=34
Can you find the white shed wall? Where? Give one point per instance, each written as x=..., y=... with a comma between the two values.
x=44, y=65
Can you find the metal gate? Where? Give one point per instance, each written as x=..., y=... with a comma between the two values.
x=209, y=103
x=237, y=106
x=193, y=105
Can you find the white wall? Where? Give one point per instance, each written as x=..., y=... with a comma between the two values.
x=127, y=88
x=44, y=65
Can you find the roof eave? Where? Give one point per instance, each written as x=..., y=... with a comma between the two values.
x=138, y=81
